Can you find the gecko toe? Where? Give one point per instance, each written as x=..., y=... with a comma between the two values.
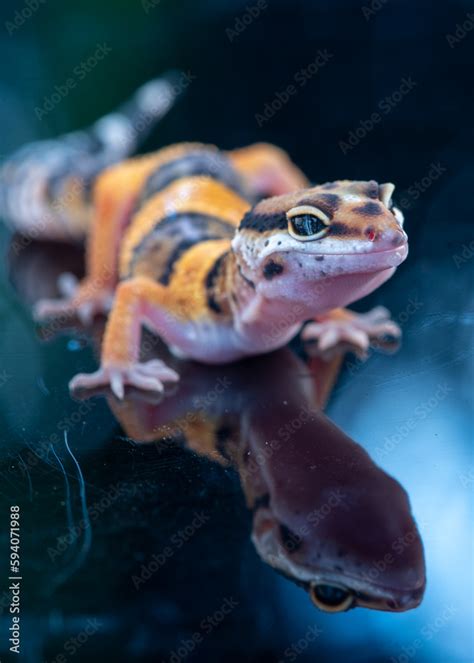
x=148, y=377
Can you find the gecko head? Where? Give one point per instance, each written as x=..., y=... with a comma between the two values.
x=359, y=547
x=345, y=237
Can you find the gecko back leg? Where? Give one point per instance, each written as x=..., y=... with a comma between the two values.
x=267, y=170
x=116, y=195
x=114, y=199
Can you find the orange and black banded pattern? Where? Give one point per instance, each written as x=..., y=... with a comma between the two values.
x=185, y=214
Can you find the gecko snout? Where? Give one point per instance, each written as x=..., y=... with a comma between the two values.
x=385, y=238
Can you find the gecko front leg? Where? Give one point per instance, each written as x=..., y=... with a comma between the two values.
x=357, y=329
x=137, y=301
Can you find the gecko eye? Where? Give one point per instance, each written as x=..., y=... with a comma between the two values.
x=306, y=223
x=331, y=598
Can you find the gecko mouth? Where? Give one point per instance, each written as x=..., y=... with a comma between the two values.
x=340, y=264
x=397, y=249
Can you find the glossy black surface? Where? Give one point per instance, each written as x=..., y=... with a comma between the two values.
x=121, y=503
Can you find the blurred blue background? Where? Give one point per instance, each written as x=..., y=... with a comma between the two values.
x=412, y=411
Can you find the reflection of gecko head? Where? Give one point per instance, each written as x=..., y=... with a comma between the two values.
x=326, y=516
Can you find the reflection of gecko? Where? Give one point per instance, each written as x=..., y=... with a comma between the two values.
x=179, y=245
x=324, y=514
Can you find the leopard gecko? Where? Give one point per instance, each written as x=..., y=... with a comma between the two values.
x=223, y=254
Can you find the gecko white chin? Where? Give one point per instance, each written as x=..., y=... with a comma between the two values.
x=323, y=294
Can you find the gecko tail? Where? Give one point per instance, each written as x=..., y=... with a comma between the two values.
x=46, y=186
x=124, y=130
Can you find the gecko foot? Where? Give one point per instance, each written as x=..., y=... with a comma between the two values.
x=357, y=329
x=82, y=301
x=149, y=376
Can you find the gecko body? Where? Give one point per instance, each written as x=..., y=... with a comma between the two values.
x=226, y=254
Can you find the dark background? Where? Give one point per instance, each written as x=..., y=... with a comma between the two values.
x=427, y=131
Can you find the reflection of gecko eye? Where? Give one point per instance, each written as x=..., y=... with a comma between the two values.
x=306, y=222
x=331, y=598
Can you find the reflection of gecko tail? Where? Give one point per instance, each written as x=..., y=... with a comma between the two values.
x=45, y=187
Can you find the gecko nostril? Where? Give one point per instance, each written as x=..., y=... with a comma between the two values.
x=370, y=234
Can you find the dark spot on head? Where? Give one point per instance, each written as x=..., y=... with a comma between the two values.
x=339, y=228
x=368, y=209
x=326, y=202
x=272, y=269
x=262, y=222
x=320, y=258
x=337, y=567
x=331, y=201
x=262, y=501
x=267, y=242
x=289, y=539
